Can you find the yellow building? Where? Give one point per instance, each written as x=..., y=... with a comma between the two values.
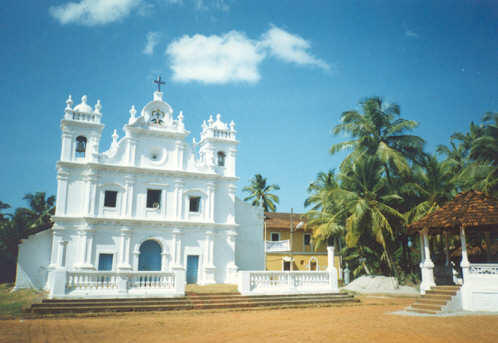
x=284, y=231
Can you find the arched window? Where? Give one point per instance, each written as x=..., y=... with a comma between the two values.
x=150, y=256
x=80, y=146
x=221, y=158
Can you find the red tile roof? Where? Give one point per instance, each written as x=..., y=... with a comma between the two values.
x=470, y=209
x=281, y=220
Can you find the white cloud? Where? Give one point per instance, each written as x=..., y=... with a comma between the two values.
x=215, y=59
x=411, y=34
x=206, y=5
x=290, y=48
x=152, y=39
x=94, y=12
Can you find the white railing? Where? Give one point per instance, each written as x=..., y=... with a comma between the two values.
x=286, y=282
x=121, y=284
x=484, y=269
x=165, y=280
x=87, y=280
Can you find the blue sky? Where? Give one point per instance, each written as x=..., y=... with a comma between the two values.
x=284, y=71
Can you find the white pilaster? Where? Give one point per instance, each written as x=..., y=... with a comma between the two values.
x=177, y=249
x=86, y=248
x=62, y=186
x=209, y=267
x=124, y=249
x=232, y=268
x=211, y=187
x=130, y=195
x=180, y=148
x=179, y=198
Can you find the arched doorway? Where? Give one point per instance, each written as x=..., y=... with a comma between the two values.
x=150, y=256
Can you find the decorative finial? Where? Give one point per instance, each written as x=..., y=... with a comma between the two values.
x=210, y=121
x=218, y=117
x=180, y=120
x=98, y=106
x=159, y=82
x=133, y=111
x=115, y=136
x=69, y=102
x=232, y=126
x=83, y=99
x=204, y=125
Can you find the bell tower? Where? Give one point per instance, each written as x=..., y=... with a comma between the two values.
x=218, y=146
x=81, y=131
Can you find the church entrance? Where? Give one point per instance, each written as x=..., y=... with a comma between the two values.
x=150, y=256
x=192, y=268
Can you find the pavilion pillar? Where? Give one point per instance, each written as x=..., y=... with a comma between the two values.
x=446, y=256
x=422, y=255
x=427, y=266
x=465, y=264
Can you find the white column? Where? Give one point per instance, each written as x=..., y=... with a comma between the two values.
x=427, y=267
x=61, y=254
x=164, y=260
x=130, y=195
x=124, y=249
x=447, y=258
x=177, y=249
x=179, y=198
x=92, y=192
x=232, y=268
x=62, y=185
x=422, y=255
x=333, y=276
x=211, y=187
x=465, y=264
x=163, y=202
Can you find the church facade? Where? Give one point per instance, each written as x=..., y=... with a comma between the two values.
x=147, y=215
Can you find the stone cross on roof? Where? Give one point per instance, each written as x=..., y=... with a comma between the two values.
x=159, y=82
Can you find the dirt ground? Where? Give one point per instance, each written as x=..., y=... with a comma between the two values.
x=369, y=321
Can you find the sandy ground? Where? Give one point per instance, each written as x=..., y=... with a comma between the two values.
x=369, y=321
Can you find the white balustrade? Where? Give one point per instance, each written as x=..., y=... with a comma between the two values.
x=286, y=282
x=87, y=280
x=143, y=280
x=124, y=284
x=483, y=269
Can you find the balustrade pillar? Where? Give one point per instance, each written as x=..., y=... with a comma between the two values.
x=333, y=276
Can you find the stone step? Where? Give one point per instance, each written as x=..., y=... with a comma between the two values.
x=431, y=301
x=187, y=301
x=422, y=311
x=442, y=297
x=447, y=287
x=170, y=307
x=441, y=292
x=432, y=307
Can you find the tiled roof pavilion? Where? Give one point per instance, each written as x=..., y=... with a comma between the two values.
x=470, y=209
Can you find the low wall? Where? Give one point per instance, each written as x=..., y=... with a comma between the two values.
x=108, y=284
x=287, y=282
x=480, y=288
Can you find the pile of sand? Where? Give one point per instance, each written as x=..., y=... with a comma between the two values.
x=372, y=284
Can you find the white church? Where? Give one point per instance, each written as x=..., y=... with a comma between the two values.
x=146, y=216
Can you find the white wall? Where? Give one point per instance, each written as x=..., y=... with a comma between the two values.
x=33, y=259
x=249, y=251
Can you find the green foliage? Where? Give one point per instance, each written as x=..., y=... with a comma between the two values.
x=387, y=181
x=16, y=226
x=260, y=193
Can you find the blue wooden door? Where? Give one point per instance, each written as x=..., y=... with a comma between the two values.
x=150, y=256
x=192, y=267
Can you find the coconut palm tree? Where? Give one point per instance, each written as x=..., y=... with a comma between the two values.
x=40, y=209
x=366, y=202
x=379, y=131
x=260, y=193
